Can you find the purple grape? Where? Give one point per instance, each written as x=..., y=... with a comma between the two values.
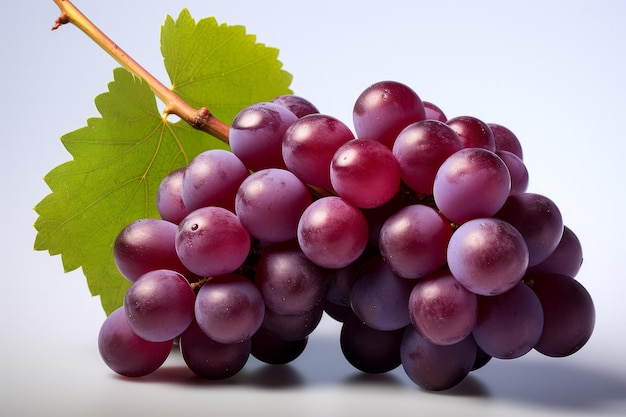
x=380, y=298
x=509, y=324
x=337, y=312
x=269, y=204
x=332, y=233
x=421, y=148
x=414, y=241
x=310, y=144
x=289, y=282
x=383, y=109
x=365, y=173
x=473, y=132
x=518, y=171
x=469, y=173
x=441, y=309
x=169, y=198
x=211, y=241
x=370, y=350
x=229, y=308
x=146, y=245
x=481, y=359
x=436, y=367
x=539, y=221
x=256, y=135
x=569, y=314
x=271, y=349
x=292, y=327
x=506, y=140
x=377, y=216
x=210, y=359
x=297, y=105
x=342, y=279
x=212, y=178
x=487, y=256
x=125, y=352
x=433, y=112
x=159, y=305
x=566, y=259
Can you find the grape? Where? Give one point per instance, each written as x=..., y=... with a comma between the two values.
x=146, y=245
x=383, y=109
x=481, y=359
x=210, y=359
x=125, y=352
x=380, y=298
x=169, y=198
x=370, y=350
x=377, y=216
x=414, y=241
x=269, y=204
x=566, y=259
x=487, y=256
x=416, y=232
x=421, y=148
x=338, y=312
x=518, y=171
x=297, y=105
x=159, y=305
x=436, y=367
x=290, y=283
x=292, y=327
x=309, y=146
x=341, y=279
x=256, y=135
x=473, y=132
x=469, y=173
x=211, y=241
x=365, y=173
x=332, y=233
x=509, y=324
x=269, y=348
x=433, y=112
x=441, y=309
x=539, y=221
x=229, y=308
x=506, y=140
x=569, y=314
x=212, y=179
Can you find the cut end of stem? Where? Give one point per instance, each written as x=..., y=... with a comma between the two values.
x=61, y=20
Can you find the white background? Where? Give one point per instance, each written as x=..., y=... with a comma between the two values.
x=552, y=71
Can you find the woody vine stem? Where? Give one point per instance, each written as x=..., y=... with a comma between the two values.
x=200, y=119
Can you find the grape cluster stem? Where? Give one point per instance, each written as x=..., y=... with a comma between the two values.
x=200, y=119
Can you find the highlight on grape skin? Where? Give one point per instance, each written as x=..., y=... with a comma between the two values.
x=159, y=305
x=309, y=145
x=487, y=256
x=416, y=232
x=212, y=241
x=332, y=233
x=269, y=204
x=125, y=352
x=466, y=174
x=256, y=135
x=365, y=173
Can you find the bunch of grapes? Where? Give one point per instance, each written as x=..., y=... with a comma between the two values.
x=416, y=232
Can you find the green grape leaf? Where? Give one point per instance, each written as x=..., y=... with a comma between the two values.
x=227, y=60
x=120, y=158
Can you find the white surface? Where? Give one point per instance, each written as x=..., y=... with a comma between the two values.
x=550, y=71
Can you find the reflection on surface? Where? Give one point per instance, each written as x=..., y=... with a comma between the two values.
x=534, y=381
